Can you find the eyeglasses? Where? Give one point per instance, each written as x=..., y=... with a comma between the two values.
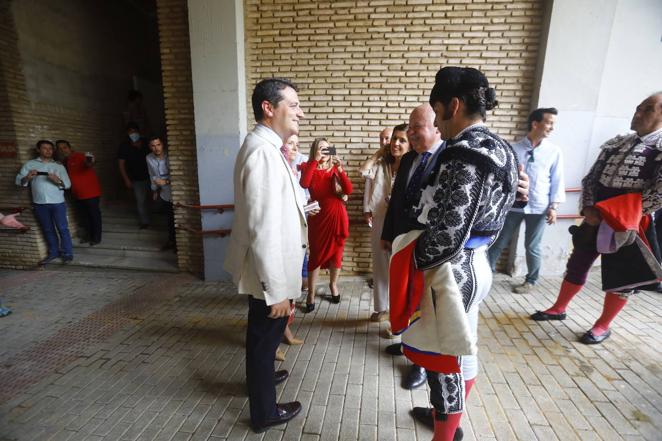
x=531, y=157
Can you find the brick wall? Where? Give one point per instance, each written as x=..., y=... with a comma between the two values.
x=363, y=65
x=180, y=123
x=16, y=251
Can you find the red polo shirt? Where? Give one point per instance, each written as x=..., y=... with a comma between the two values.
x=84, y=180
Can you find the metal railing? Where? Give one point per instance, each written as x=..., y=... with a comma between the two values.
x=353, y=221
x=219, y=208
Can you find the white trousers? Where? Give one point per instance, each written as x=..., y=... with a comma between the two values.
x=380, y=261
x=483, y=281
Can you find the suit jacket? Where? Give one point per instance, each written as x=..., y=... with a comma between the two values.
x=396, y=222
x=269, y=231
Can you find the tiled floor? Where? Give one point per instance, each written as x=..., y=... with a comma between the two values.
x=92, y=355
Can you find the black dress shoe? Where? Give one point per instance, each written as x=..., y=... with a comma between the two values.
x=394, y=349
x=424, y=416
x=286, y=412
x=591, y=339
x=415, y=378
x=280, y=376
x=655, y=287
x=541, y=316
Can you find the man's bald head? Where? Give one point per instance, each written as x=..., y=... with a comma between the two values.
x=385, y=137
x=422, y=133
x=647, y=117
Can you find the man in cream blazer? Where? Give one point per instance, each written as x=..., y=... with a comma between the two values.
x=267, y=243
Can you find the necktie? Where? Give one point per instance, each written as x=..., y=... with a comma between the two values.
x=416, y=179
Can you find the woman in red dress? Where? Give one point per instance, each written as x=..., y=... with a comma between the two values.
x=324, y=177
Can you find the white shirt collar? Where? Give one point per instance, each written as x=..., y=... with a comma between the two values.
x=269, y=135
x=436, y=146
x=652, y=139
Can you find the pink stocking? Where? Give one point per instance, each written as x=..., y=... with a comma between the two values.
x=445, y=430
x=566, y=293
x=613, y=305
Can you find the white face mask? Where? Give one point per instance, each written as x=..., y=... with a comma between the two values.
x=134, y=137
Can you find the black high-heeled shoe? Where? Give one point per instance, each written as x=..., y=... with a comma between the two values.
x=310, y=307
x=335, y=299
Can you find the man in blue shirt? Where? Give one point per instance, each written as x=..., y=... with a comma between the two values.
x=543, y=162
x=48, y=180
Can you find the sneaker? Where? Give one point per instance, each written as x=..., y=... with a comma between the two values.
x=49, y=259
x=524, y=288
x=67, y=259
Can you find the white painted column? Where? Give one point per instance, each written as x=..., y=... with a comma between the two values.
x=219, y=96
x=602, y=58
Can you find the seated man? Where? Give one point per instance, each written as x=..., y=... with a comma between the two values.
x=48, y=180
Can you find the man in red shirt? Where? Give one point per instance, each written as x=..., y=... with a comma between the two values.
x=84, y=187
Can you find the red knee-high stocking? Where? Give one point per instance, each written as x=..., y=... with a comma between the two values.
x=613, y=305
x=445, y=430
x=566, y=293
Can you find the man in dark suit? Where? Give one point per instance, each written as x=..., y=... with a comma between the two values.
x=414, y=170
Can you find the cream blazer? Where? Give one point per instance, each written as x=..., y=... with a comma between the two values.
x=269, y=231
x=380, y=189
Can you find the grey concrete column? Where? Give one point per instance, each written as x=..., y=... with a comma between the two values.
x=219, y=95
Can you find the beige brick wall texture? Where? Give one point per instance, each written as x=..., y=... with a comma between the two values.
x=16, y=251
x=180, y=124
x=364, y=65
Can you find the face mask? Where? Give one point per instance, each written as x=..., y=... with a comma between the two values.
x=134, y=137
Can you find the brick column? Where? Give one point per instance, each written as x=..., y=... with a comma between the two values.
x=178, y=101
x=24, y=250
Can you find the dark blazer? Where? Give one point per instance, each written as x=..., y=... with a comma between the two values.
x=397, y=221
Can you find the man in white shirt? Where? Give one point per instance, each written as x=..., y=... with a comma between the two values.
x=543, y=162
x=267, y=243
x=48, y=180
x=158, y=167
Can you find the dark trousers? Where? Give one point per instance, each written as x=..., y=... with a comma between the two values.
x=90, y=216
x=263, y=335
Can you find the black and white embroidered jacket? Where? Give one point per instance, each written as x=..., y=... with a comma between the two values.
x=475, y=183
x=626, y=164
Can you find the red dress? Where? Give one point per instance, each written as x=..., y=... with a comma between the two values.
x=329, y=228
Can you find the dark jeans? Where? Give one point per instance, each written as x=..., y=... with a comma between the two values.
x=90, y=215
x=263, y=335
x=53, y=217
x=533, y=232
x=141, y=190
